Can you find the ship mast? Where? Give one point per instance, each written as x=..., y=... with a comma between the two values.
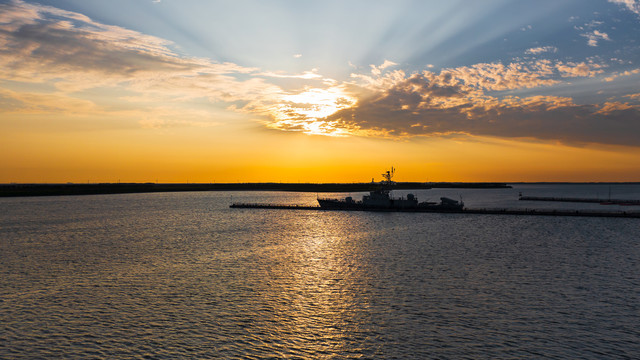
x=388, y=175
x=387, y=183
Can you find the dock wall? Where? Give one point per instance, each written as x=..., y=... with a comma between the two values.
x=582, y=200
x=528, y=212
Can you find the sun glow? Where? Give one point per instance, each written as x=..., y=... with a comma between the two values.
x=306, y=111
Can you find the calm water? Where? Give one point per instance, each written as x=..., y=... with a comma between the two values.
x=180, y=275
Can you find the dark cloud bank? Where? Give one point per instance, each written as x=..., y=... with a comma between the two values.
x=421, y=107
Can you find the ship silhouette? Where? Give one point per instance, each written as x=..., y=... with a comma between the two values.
x=381, y=199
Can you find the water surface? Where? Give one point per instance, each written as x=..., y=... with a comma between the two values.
x=182, y=275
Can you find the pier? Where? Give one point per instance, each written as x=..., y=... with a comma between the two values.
x=531, y=212
x=582, y=200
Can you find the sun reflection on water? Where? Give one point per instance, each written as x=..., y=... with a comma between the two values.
x=320, y=285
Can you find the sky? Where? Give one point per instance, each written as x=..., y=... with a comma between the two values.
x=319, y=91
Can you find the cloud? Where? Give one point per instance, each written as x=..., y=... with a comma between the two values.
x=581, y=69
x=377, y=70
x=38, y=103
x=402, y=113
x=313, y=74
x=47, y=41
x=541, y=49
x=497, y=76
x=72, y=53
x=610, y=107
x=41, y=43
x=306, y=111
x=595, y=36
x=148, y=113
x=458, y=101
x=616, y=75
x=631, y=5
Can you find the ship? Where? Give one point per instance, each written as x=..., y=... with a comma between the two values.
x=381, y=200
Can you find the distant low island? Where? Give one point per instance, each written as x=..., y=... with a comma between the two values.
x=15, y=190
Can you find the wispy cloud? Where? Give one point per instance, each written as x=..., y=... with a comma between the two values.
x=595, y=36
x=377, y=70
x=42, y=43
x=313, y=74
x=497, y=76
x=39, y=103
x=582, y=69
x=541, y=49
x=634, y=96
x=631, y=5
x=616, y=75
x=72, y=53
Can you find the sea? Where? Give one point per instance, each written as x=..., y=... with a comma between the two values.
x=182, y=275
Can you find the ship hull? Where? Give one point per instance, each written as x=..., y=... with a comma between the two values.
x=334, y=204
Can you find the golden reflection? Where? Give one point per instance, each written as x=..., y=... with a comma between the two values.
x=323, y=299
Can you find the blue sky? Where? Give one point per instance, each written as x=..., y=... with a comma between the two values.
x=562, y=72
x=331, y=34
x=341, y=37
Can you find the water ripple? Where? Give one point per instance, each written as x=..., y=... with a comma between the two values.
x=182, y=276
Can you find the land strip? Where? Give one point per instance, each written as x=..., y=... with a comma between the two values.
x=14, y=190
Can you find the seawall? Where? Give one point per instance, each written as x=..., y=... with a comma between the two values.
x=530, y=212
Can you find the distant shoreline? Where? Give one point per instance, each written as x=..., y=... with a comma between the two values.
x=20, y=190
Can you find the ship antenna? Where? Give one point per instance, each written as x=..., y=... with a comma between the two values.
x=387, y=183
x=388, y=175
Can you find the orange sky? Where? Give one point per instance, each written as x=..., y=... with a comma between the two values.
x=256, y=155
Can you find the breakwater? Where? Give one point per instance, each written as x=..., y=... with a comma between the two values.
x=582, y=200
x=532, y=212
